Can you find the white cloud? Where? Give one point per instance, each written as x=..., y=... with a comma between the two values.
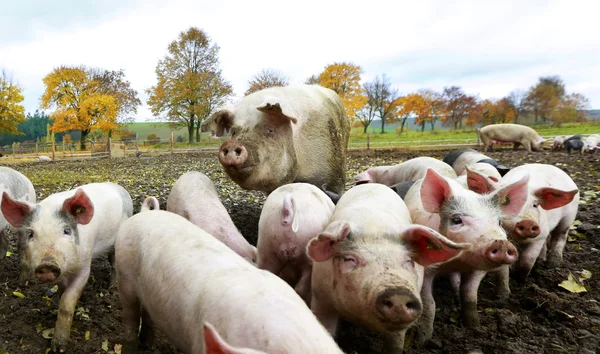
x=486, y=47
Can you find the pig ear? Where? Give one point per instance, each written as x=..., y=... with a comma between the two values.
x=213, y=342
x=288, y=212
x=477, y=182
x=551, y=198
x=272, y=105
x=429, y=246
x=80, y=206
x=220, y=122
x=320, y=248
x=513, y=197
x=435, y=190
x=364, y=177
x=15, y=211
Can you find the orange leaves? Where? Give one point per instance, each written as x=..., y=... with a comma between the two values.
x=344, y=79
x=11, y=111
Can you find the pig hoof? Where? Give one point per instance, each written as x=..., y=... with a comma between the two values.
x=503, y=295
x=470, y=315
x=553, y=261
x=59, y=345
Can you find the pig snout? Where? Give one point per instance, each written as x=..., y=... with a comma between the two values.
x=233, y=154
x=48, y=271
x=398, y=307
x=527, y=229
x=502, y=252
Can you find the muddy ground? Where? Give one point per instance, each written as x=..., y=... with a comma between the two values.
x=539, y=317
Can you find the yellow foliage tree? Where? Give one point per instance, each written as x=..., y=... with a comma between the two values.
x=86, y=99
x=11, y=111
x=344, y=79
x=411, y=104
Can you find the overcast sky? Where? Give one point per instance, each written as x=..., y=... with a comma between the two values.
x=487, y=47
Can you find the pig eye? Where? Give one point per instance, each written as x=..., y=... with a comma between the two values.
x=30, y=234
x=270, y=131
x=535, y=205
x=500, y=222
x=67, y=231
x=349, y=260
x=456, y=220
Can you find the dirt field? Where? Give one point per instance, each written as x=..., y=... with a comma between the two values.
x=539, y=317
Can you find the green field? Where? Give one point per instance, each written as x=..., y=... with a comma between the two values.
x=357, y=137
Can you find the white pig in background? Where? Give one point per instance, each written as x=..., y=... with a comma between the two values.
x=551, y=208
x=465, y=216
x=18, y=187
x=368, y=262
x=291, y=216
x=407, y=171
x=195, y=197
x=176, y=276
x=511, y=133
x=282, y=135
x=62, y=234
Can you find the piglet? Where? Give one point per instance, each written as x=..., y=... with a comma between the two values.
x=369, y=262
x=18, y=187
x=62, y=234
x=291, y=216
x=407, y=171
x=176, y=276
x=195, y=197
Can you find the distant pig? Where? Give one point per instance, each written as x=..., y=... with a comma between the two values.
x=407, y=171
x=174, y=275
x=195, y=197
x=511, y=133
x=576, y=144
x=291, y=216
x=286, y=134
x=44, y=159
x=462, y=215
x=551, y=208
x=18, y=187
x=369, y=262
x=62, y=234
x=558, y=143
x=461, y=158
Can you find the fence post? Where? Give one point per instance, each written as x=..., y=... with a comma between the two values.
x=368, y=141
x=109, y=148
x=53, y=151
x=172, y=143
x=36, y=150
x=124, y=148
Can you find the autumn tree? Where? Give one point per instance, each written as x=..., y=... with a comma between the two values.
x=384, y=97
x=368, y=112
x=572, y=108
x=411, y=104
x=344, y=79
x=190, y=84
x=458, y=106
x=517, y=100
x=433, y=110
x=85, y=99
x=12, y=112
x=267, y=78
x=544, y=98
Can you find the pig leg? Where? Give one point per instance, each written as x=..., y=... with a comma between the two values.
x=502, y=280
x=527, y=259
x=455, y=283
x=66, y=308
x=395, y=342
x=131, y=315
x=558, y=239
x=428, y=315
x=516, y=146
x=303, y=286
x=326, y=314
x=527, y=146
x=146, y=330
x=469, y=283
x=543, y=252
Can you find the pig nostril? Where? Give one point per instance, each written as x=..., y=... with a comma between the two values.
x=495, y=251
x=388, y=304
x=521, y=228
x=225, y=151
x=238, y=151
x=535, y=229
x=412, y=305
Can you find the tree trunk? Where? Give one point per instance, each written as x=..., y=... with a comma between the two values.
x=365, y=127
x=191, y=133
x=382, y=125
x=198, y=131
x=432, y=125
x=516, y=117
x=84, y=134
x=422, y=127
x=402, y=126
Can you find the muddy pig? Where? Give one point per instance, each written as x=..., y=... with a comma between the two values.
x=195, y=197
x=551, y=208
x=63, y=233
x=461, y=158
x=369, y=262
x=465, y=216
x=291, y=216
x=286, y=134
x=407, y=171
x=18, y=187
x=176, y=276
x=511, y=133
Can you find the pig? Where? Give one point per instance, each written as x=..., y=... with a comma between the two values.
x=214, y=343
x=558, y=143
x=551, y=208
x=461, y=158
x=462, y=215
x=511, y=133
x=592, y=142
x=369, y=262
x=195, y=197
x=18, y=187
x=44, y=159
x=291, y=216
x=282, y=135
x=407, y=171
x=62, y=234
x=150, y=203
x=576, y=144
x=176, y=276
